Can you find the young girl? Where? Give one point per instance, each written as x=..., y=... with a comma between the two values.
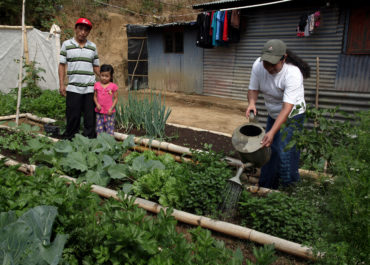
x=105, y=97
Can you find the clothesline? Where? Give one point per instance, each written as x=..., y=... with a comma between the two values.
x=218, y=28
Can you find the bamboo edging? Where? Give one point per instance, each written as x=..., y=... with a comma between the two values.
x=25, y=168
x=29, y=116
x=205, y=222
x=199, y=129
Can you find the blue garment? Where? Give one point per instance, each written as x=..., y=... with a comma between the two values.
x=283, y=165
x=214, y=28
x=221, y=30
x=219, y=26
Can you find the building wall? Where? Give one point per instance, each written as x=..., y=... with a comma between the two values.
x=227, y=69
x=174, y=71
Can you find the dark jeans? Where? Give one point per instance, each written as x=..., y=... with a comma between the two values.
x=76, y=104
x=283, y=165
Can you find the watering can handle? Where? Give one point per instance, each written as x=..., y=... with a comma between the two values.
x=252, y=117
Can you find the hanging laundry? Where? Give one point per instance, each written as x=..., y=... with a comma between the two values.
x=214, y=28
x=235, y=18
x=204, y=40
x=225, y=37
x=311, y=23
x=301, y=25
x=234, y=26
x=219, y=27
x=317, y=16
x=307, y=27
x=210, y=28
x=307, y=24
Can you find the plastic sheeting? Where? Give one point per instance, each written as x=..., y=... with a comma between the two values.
x=137, y=46
x=43, y=48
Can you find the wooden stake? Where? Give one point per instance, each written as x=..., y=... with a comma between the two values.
x=317, y=82
x=20, y=66
x=26, y=53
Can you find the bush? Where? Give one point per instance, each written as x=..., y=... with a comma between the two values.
x=205, y=181
x=8, y=104
x=347, y=220
x=280, y=215
x=49, y=104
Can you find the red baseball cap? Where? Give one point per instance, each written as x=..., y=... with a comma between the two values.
x=84, y=21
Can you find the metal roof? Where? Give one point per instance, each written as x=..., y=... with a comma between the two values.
x=231, y=3
x=173, y=24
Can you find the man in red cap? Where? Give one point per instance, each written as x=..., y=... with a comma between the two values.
x=79, y=57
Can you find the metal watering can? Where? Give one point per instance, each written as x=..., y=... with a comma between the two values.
x=246, y=139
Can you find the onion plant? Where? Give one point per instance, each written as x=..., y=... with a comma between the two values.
x=147, y=111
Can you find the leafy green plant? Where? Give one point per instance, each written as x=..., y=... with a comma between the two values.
x=317, y=143
x=8, y=104
x=94, y=160
x=280, y=215
x=146, y=111
x=264, y=255
x=49, y=104
x=15, y=140
x=155, y=177
x=32, y=77
x=38, y=12
x=346, y=222
x=206, y=247
x=205, y=179
x=109, y=232
x=27, y=240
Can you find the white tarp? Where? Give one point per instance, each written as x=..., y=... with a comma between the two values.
x=43, y=48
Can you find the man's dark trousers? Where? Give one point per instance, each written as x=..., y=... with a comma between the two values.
x=75, y=105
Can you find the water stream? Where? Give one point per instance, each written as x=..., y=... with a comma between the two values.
x=231, y=198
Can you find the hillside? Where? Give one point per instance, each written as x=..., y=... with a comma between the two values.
x=110, y=18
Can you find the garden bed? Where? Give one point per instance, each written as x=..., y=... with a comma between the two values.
x=298, y=213
x=215, y=225
x=238, y=242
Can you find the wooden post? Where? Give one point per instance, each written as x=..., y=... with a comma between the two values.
x=20, y=66
x=26, y=53
x=317, y=82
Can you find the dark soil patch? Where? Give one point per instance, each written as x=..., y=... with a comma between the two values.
x=10, y=153
x=193, y=139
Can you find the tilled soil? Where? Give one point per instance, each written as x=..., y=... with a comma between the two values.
x=194, y=139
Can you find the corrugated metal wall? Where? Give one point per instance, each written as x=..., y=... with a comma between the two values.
x=181, y=72
x=227, y=69
x=353, y=73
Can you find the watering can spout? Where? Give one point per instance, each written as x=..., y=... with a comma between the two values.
x=236, y=179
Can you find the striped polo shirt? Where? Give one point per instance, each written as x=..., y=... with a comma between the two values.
x=80, y=62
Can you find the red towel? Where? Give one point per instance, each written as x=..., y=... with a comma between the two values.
x=224, y=34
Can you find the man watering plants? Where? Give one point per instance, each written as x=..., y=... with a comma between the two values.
x=278, y=74
x=80, y=57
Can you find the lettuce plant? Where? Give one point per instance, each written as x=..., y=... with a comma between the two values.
x=27, y=240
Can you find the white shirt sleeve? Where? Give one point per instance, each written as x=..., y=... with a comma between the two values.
x=293, y=86
x=254, y=83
